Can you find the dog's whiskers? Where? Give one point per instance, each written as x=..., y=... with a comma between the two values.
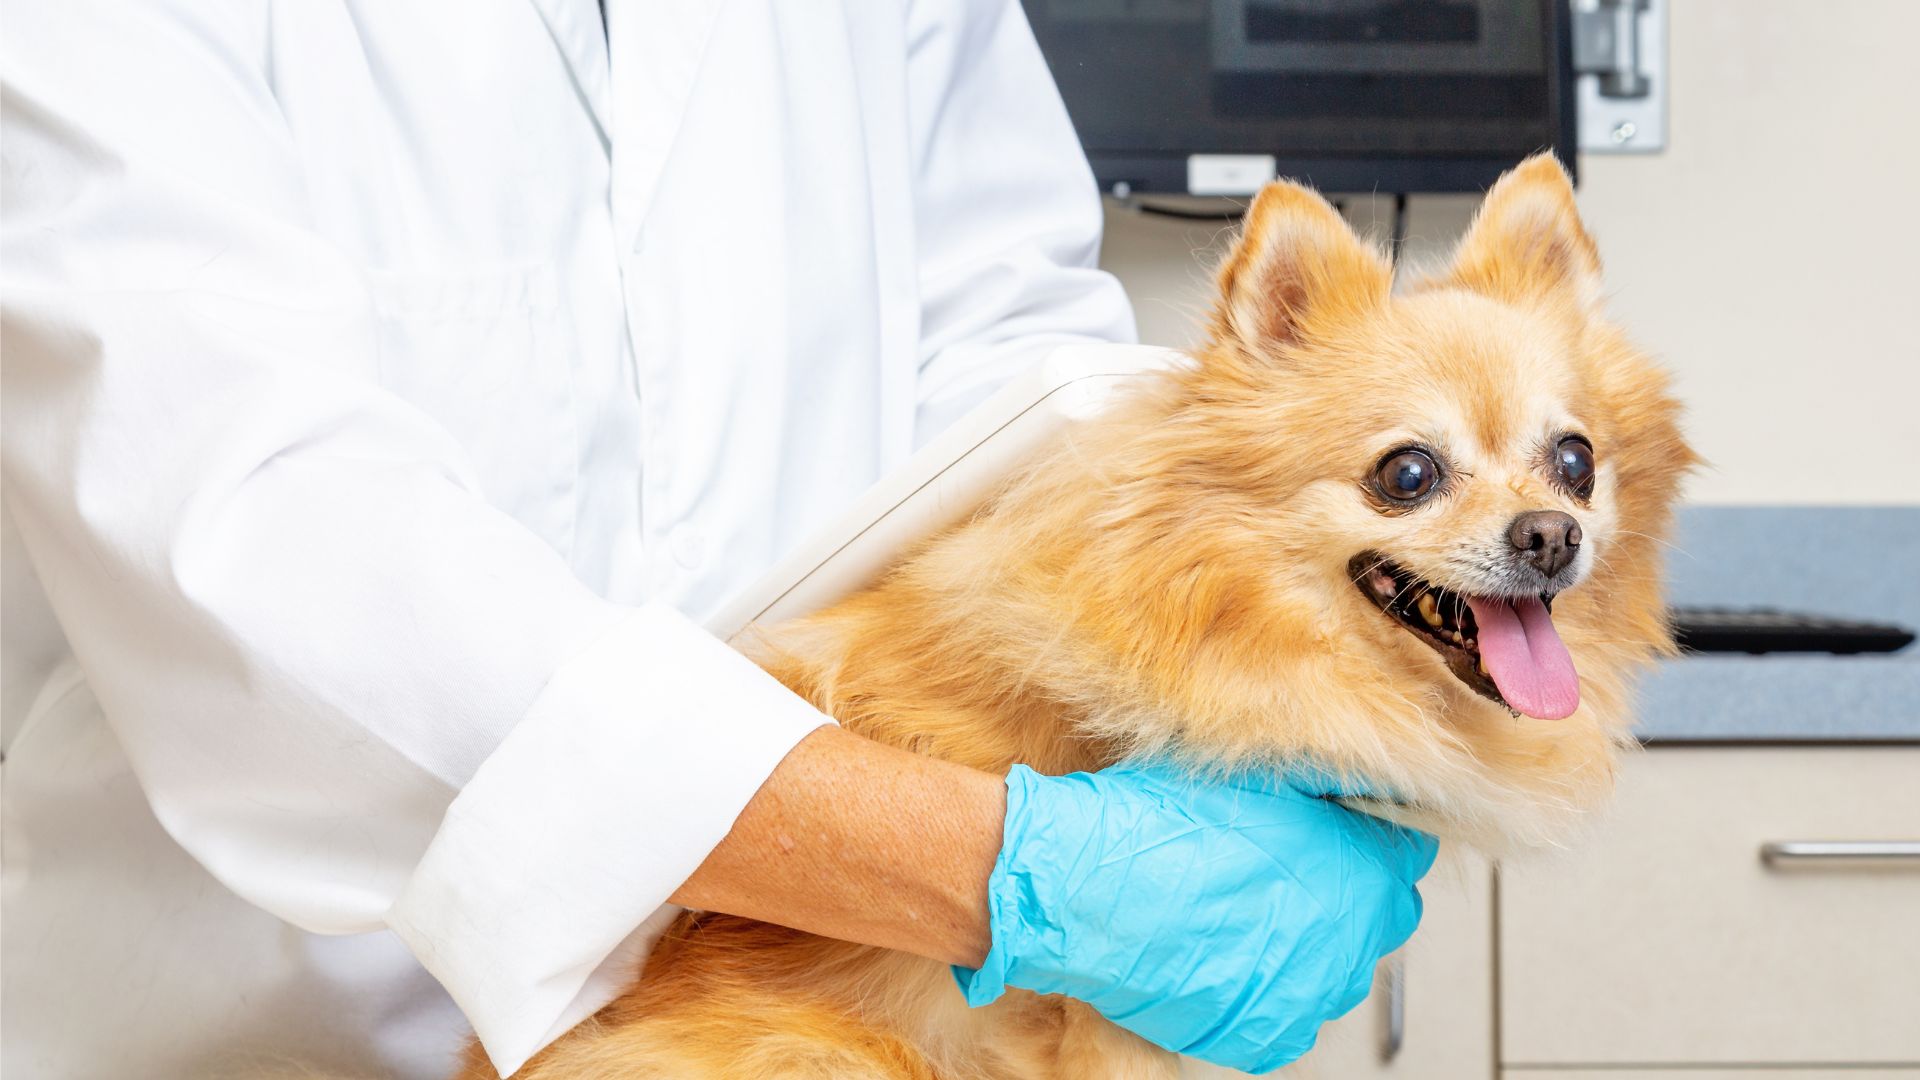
x=1662, y=541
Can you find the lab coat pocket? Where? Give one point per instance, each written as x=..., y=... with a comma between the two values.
x=480, y=352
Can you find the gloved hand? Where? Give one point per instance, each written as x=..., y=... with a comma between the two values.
x=1226, y=920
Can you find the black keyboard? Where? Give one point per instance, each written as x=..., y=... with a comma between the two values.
x=1764, y=630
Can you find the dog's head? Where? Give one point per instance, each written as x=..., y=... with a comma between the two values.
x=1451, y=498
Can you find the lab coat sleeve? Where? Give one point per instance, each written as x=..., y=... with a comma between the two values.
x=1006, y=212
x=354, y=691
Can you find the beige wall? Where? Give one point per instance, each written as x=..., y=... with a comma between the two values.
x=1771, y=255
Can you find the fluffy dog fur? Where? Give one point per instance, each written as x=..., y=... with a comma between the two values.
x=1175, y=578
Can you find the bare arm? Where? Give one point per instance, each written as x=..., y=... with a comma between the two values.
x=854, y=840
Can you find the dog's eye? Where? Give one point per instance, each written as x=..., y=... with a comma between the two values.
x=1574, y=458
x=1407, y=475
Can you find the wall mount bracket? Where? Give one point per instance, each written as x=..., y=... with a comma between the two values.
x=1620, y=69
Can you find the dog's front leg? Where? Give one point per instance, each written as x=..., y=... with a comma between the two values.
x=1094, y=1048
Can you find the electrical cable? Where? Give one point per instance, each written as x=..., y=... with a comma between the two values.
x=1234, y=213
x=1396, y=228
x=1397, y=231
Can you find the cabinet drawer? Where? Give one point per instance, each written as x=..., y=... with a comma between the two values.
x=1665, y=939
x=1711, y=1074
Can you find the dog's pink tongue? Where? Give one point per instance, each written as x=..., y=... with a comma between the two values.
x=1525, y=656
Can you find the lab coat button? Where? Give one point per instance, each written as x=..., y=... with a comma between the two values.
x=689, y=548
x=639, y=241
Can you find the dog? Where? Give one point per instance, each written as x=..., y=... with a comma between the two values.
x=1410, y=539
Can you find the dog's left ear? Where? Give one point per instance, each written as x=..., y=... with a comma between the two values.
x=1296, y=265
x=1526, y=244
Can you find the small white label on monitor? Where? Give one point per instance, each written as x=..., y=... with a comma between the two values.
x=1229, y=174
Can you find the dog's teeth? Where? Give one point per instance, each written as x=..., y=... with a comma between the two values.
x=1480, y=665
x=1458, y=640
x=1429, y=609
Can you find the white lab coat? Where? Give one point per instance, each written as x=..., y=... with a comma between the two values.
x=383, y=379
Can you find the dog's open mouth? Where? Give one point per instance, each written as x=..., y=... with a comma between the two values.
x=1505, y=648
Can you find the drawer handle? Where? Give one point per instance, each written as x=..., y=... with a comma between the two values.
x=1841, y=853
x=1395, y=1037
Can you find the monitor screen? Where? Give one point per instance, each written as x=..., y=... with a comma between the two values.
x=1353, y=95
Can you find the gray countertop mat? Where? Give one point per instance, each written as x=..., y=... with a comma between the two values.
x=1853, y=562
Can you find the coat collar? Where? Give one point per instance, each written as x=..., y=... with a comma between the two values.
x=580, y=35
x=659, y=48
x=636, y=72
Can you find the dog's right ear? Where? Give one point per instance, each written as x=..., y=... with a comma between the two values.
x=1296, y=265
x=1526, y=243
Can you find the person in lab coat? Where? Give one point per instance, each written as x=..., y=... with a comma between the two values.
x=388, y=388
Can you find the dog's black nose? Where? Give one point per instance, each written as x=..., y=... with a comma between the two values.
x=1548, y=539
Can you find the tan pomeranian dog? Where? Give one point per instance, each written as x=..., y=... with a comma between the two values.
x=1412, y=538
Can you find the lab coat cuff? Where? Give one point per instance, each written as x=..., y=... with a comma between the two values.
x=548, y=879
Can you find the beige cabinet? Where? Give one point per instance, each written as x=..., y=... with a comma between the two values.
x=1768, y=1073
x=1668, y=939
x=1430, y=1016
x=1666, y=944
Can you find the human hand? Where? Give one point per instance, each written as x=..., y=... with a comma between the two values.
x=1223, y=919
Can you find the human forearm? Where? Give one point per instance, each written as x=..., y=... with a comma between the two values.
x=859, y=841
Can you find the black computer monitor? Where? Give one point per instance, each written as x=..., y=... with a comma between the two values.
x=1351, y=95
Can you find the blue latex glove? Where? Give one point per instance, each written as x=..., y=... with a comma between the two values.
x=1226, y=920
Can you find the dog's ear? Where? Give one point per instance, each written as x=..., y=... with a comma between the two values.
x=1526, y=244
x=1296, y=263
